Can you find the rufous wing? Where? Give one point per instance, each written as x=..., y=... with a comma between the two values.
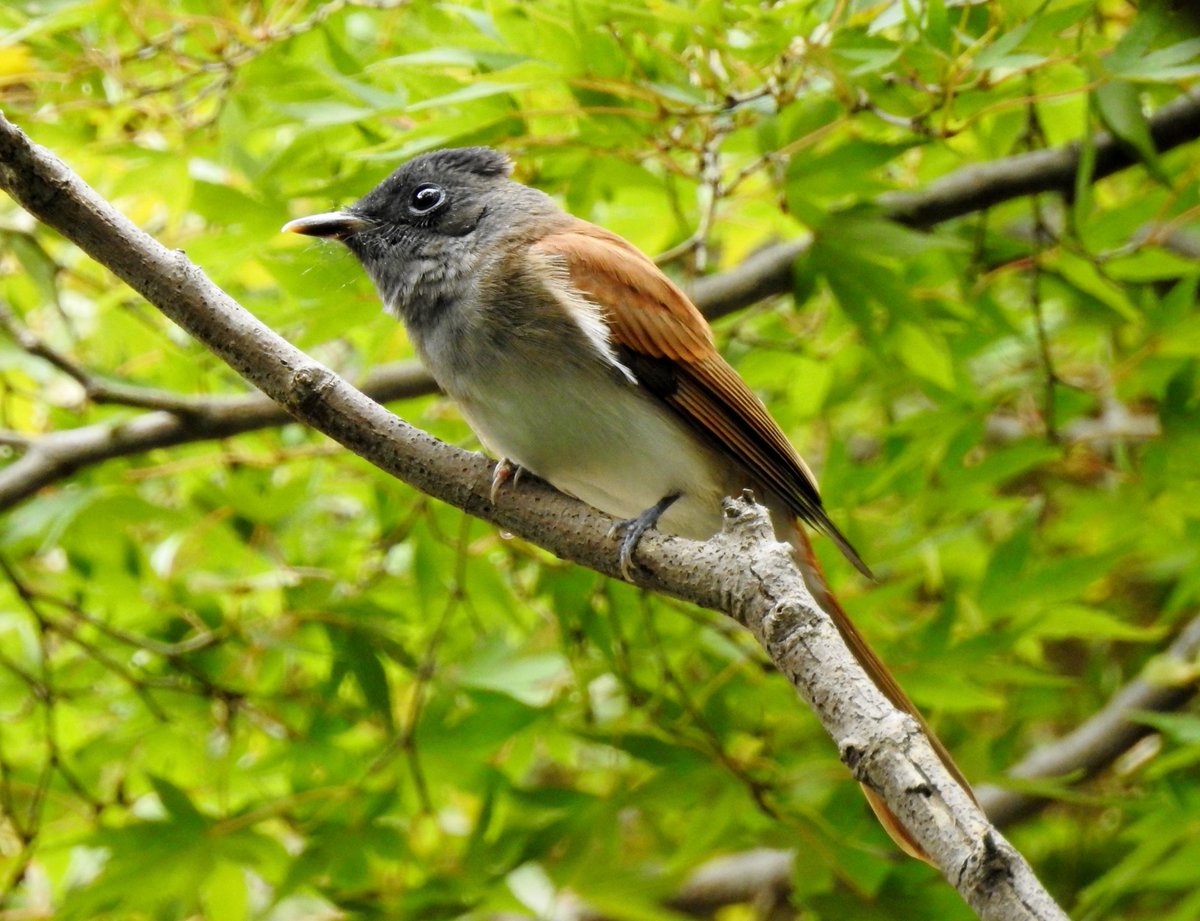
x=665, y=341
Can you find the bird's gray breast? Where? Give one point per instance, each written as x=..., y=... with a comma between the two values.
x=535, y=389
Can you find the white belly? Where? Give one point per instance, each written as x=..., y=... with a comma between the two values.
x=602, y=440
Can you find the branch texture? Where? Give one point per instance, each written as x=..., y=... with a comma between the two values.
x=742, y=572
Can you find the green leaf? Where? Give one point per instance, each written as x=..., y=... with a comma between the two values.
x=952, y=696
x=484, y=89
x=1120, y=108
x=324, y=113
x=845, y=170
x=175, y=801
x=1081, y=203
x=1135, y=42
x=925, y=354
x=999, y=54
x=1069, y=621
x=1183, y=728
x=937, y=25
x=1135, y=58
x=1084, y=276
x=531, y=679
x=224, y=893
x=369, y=674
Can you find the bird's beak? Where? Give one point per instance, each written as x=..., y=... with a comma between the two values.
x=335, y=224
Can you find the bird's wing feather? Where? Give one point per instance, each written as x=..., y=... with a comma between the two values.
x=666, y=342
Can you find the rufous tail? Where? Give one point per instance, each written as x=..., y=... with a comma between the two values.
x=815, y=578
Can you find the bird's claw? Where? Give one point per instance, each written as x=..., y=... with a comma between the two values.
x=631, y=530
x=504, y=471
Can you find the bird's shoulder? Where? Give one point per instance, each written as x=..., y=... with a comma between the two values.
x=643, y=308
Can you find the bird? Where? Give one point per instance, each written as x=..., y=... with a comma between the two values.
x=572, y=356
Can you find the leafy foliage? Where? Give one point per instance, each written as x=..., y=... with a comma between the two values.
x=255, y=678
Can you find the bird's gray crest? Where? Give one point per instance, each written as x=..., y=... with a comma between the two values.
x=483, y=161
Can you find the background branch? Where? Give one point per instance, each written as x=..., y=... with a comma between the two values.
x=969, y=189
x=1167, y=683
x=743, y=572
x=53, y=457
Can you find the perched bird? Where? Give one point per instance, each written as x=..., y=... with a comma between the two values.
x=572, y=356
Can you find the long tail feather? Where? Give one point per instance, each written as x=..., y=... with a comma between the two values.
x=871, y=663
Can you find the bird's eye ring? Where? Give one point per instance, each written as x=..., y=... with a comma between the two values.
x=427, y=198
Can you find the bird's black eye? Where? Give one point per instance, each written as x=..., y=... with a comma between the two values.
x=427, y=198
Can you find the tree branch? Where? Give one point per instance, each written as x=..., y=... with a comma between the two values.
x=742, y=572
x=1102, y=738
x=56, y=456
x=977, y=187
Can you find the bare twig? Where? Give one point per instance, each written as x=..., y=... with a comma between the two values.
x=53, y=457
x=1041, y=235
x=94, y=387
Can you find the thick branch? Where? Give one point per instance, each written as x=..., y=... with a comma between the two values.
x=742, y=571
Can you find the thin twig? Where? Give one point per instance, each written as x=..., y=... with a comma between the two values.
x=1041, y=234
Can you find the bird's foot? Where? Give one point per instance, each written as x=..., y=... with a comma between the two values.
x=504, y=471
x=631, y=530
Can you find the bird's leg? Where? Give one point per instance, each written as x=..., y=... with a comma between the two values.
x=632, y=529
x=505, y=470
